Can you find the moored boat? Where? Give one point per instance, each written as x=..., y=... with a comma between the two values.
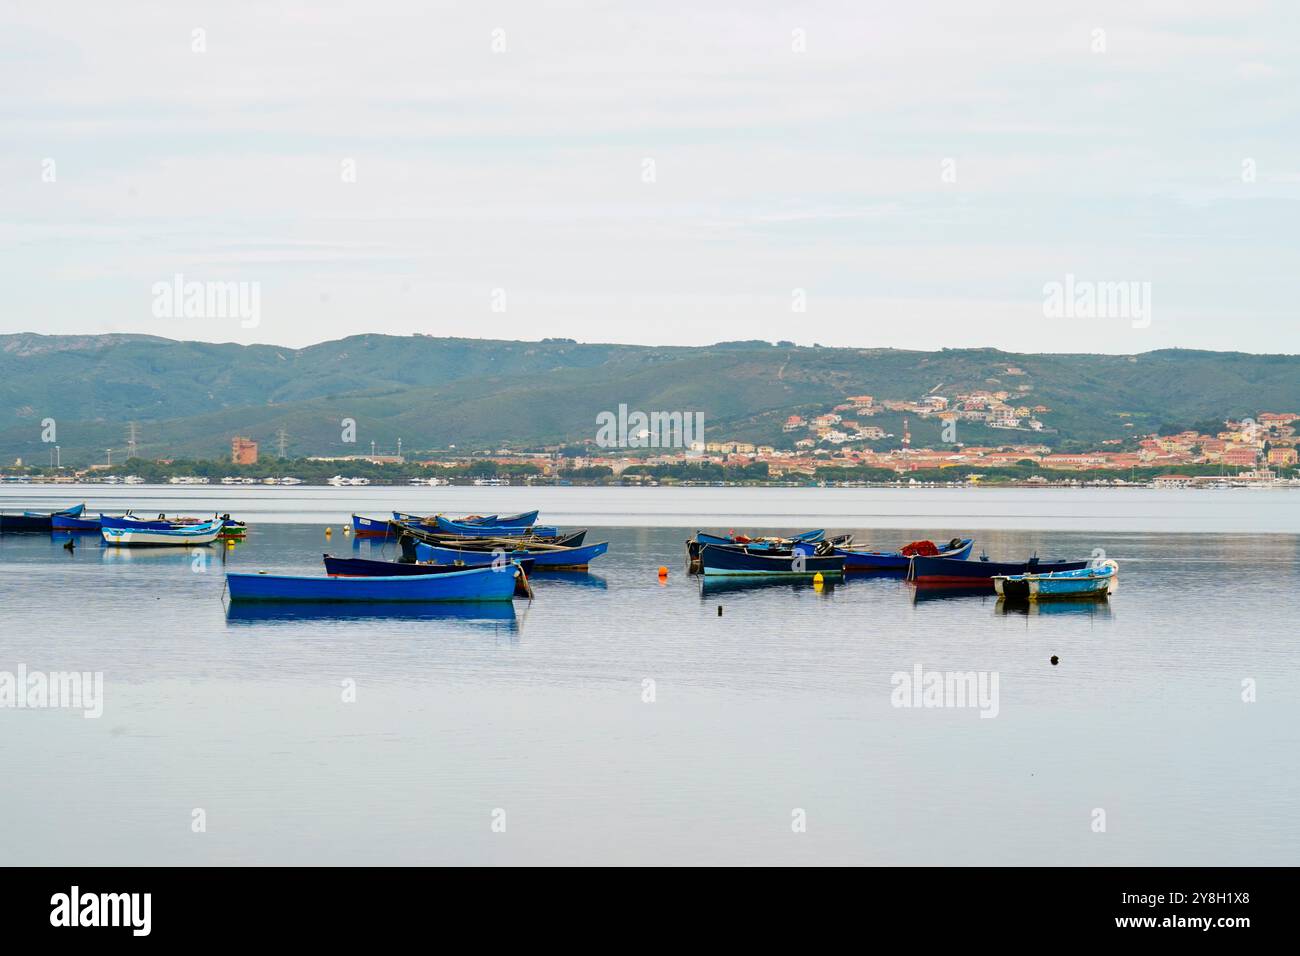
x=766, y=545
x=865, y=559
x=544, y=558
x=470, y=584
x=980, y=573
x=369, y=568
x=717, y=559
x=447, y=526
x=35, y=522
x=1093, y=582
x=71, y=523
x=187, y=536
x=363, y=527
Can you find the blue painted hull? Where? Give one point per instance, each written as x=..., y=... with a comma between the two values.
x=703, y=537
x=895, y=560
x=449, y=527
x=26, y=524
x=736, y=561
x=488, y=614
x=948, y=571
x=69, y=523
x=364, y=527
x=1090, y=582
x=369, y=568
x=542, y=560
x=35, y=522
x=524, y=519
x=473, y=584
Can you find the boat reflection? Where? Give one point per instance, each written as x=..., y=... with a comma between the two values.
x=726, y=584
x=922, y=594
x=1093, y=609
x=577, y=579
x=493, y=614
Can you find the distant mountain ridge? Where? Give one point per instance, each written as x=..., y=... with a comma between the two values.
x=189, y=398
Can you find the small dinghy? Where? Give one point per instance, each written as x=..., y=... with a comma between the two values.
x=1094, y=583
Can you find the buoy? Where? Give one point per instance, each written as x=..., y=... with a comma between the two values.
x=1055, y=660
x=328, y=532
x=818, y=579
x=719, y=610
x=663, y=572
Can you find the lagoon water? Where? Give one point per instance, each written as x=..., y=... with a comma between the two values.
x=778, y=710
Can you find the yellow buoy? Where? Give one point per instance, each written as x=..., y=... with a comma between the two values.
x=818, y=579
x=328, y=532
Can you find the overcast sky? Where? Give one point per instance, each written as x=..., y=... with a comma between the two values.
x=666, y=173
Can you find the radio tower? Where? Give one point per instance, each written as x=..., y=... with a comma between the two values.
x=131, y=435
x=282, y=437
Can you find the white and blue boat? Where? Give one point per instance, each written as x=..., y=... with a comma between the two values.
x=1094, y=582
x=149, y=536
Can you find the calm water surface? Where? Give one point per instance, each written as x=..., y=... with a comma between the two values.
x=783, y=703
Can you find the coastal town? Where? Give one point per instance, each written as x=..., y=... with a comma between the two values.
x=841, y=444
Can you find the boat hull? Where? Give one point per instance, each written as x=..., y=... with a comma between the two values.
x=735, y=561
x=978, y=574
x=363, y=527
x=194, y=536
x=446, y=526
x=1090, y=583
x=368, y=568
x=895, y=560
x=70, y=523
x=26, y=524
x=473, y=584
x=557, y=559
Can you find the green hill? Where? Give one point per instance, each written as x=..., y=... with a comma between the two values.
x=189, y=398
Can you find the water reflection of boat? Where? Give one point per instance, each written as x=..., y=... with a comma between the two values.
x=1093, y=609
x=924, y=595
x=578, y=579
x=485, y=613
x=719, y=585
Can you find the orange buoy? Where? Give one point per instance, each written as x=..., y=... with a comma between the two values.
x=663, y=571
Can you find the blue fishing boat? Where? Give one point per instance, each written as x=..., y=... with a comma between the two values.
x=368, y=568
x=979, y=574
x=523, y=519
x=1094, y=582
x=471, y=584
x=544, y=559
x=74, y=523
x=735, y=560
x=35, y=522
x=364, y=527
x=446, y=526
x=704, y=537
x=864, y=559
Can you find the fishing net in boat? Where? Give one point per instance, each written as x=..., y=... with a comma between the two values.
x=924, y=548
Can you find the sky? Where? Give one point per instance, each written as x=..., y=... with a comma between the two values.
x=919, y=175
